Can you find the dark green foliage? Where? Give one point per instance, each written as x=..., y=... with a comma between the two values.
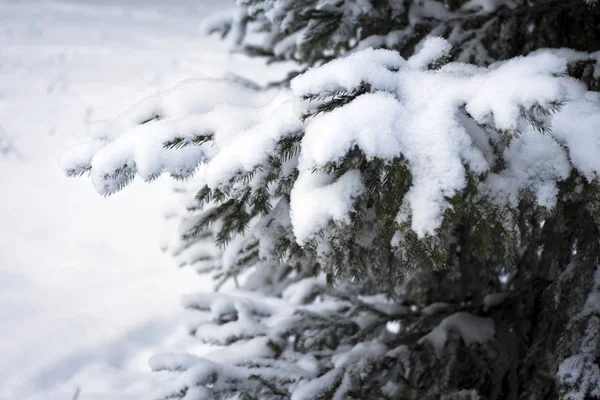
x=329, y=29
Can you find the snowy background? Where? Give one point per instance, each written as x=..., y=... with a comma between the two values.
x=86, y=295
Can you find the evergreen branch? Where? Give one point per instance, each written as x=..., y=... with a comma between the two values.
x=331, y=100
x=155, y=117
x=181, y=142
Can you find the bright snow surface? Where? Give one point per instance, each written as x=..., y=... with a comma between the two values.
x=86, y=295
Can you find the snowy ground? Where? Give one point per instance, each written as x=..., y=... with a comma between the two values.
x=86, y=295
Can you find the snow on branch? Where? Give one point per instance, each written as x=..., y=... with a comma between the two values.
x=449, y=122
x=414, y=111
x=165, y=133
x=305, y=349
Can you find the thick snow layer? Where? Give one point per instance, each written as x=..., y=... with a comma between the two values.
x=86, y=296
x=415, y=113
x=442, y=122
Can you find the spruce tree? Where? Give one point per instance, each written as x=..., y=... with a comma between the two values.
x=415, y=221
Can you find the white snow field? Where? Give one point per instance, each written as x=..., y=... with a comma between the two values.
x=86, y=295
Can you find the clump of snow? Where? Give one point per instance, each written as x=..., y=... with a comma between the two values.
x=494, y=299
x=354, y=124
x=310, y=364
x=316, y=199
x=529, y=167
x=471, y=328
x=521, y=81
x=394, y=327
x=362, y=351
x=301, y=292
x=243, y=350
x=250, y=147
x=312, y=389
x=373, y=66
x=431, y=50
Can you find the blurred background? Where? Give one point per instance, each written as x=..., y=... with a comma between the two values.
x=86, y=294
